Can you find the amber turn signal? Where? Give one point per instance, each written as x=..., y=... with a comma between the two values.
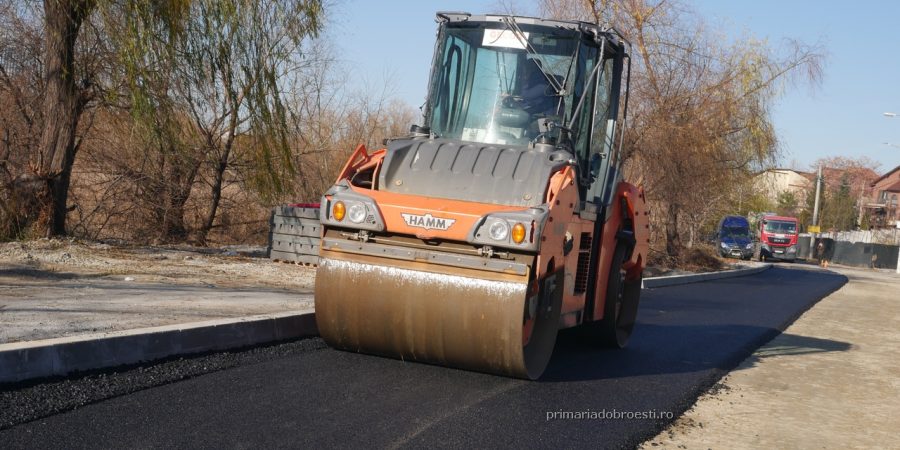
x=518, y=233
x=338, y=211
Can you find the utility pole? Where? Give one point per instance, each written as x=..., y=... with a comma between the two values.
x=818, y=194
x=813, y=236
x=894, y=115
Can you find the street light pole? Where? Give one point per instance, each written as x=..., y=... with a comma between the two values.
x=813, y=236
x=893, y=115
x=818, y=192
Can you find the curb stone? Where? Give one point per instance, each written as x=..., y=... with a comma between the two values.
x=20, y=361
x=656, y=282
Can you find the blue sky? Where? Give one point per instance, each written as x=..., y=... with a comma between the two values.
x=394, y=40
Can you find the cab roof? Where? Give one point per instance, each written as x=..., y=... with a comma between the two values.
x=588, y=28
x=784, y=218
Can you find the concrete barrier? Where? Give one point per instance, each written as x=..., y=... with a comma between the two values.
x=294, y=234
x=62, y=356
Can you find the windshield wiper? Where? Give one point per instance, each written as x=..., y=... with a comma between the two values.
x=513, y=26
x=510, y=22
x=587, y=83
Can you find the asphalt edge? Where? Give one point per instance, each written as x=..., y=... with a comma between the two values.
x=21, y=361
x=719, y=373
x=656, y=282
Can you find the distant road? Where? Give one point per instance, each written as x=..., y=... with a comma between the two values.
x=687, y=338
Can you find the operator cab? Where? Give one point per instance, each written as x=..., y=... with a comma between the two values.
x=526, y=82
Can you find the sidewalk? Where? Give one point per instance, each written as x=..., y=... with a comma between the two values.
x=831, y=380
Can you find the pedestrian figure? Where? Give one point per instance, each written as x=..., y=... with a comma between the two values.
x=820, y=251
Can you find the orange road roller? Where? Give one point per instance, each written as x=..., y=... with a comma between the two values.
x=501, y=219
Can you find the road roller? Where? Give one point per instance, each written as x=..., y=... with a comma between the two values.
x=503, y=217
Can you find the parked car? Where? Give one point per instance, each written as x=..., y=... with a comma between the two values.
x=733, y=238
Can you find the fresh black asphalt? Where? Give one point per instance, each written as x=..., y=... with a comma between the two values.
x=687, y=337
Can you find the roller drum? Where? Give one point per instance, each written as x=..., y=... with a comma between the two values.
x=417, y=311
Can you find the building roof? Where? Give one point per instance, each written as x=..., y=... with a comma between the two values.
x=893, y=187
x=784, y=169
x=887, y=174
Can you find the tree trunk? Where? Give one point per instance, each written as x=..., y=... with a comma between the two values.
x=61, y=107
x=179, y=180
x=216, y=197
x=673, y=241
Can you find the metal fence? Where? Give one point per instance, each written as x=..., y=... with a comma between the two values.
x=889, y=236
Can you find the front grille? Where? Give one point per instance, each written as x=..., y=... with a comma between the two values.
x=584, y=262
x=782, y=241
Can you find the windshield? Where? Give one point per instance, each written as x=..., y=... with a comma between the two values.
x=779, y=226
x=496, y=86
x=735, y=232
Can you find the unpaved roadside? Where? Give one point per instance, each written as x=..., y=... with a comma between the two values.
x=831, y=380
x=56, y=288
x=230, y=266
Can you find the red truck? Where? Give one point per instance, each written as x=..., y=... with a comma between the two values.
x=778, y=238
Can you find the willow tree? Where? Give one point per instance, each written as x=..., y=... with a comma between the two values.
x=64, y=98
x=157, y=40
x=238, y=55
x=701, y=119
x=208, y=97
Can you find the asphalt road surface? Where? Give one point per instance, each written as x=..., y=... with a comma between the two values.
x=686, y=339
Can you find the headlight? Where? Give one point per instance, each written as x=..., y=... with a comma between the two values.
x=792, y=249
x=749, y=246
x=361, y=212
x=518, y=230
x=357, y=212
x=499, y=230
x=724, y=245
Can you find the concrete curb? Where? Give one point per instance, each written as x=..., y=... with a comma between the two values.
x=656, y=282
x=21, y=361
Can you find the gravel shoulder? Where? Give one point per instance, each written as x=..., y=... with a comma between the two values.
x=57, y=288
x=829, y=381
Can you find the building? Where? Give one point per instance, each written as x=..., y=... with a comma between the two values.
x=858, y=180
x=883, y=206
x=774, y=182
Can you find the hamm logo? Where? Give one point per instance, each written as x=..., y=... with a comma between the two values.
x=428, y=222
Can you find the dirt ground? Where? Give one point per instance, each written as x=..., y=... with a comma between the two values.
x=233, y=266
x=56, y=288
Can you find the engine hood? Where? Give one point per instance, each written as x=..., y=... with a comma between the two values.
x=736, y=240
x=470, y=171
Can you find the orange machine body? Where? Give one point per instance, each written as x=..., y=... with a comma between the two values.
x=565, y=228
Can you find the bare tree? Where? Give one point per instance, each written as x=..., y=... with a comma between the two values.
x=231, y=66
x=51, y=79
x=700, y=117
x=847, y=185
